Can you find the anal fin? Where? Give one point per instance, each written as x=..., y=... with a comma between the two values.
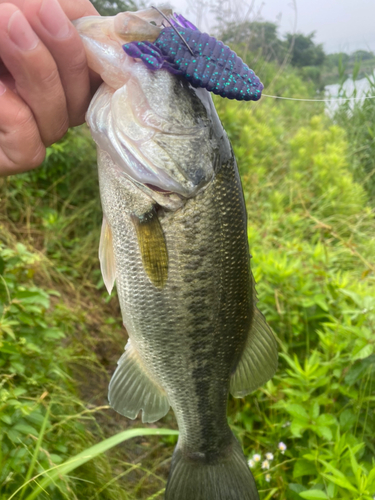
x=131, y=389
x=258, y=362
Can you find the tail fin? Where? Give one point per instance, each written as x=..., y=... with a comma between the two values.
x=228, y=478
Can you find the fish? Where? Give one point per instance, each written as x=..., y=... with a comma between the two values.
x=174, y=240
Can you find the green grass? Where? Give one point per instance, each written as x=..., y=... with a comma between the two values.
x=57, y=473
x=309, y=197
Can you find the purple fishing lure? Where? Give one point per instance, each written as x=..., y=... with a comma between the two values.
x=210, y=64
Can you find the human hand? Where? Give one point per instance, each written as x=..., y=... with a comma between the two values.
x=45, y=83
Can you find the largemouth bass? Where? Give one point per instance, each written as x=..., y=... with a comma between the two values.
x=174, y=238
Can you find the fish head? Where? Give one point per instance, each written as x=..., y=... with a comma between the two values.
x=161, y=133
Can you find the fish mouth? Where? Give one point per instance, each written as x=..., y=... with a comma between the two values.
x=124, y=27
x=157, y=189
x=170, y=161
x=144, y=25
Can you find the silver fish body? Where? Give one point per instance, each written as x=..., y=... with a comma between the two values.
x=174, y=238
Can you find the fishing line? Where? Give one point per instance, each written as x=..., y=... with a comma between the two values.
x=176, y=30
x=331, y=99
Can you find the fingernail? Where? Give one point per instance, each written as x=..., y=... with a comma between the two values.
x=2, y=88
x=21, y=33
x=54, y=19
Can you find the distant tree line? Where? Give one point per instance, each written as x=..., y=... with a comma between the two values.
x=110, y=8
x=260, y=39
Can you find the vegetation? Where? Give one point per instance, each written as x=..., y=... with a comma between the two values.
x=111, y=8
x=309, y=432
x=361, y=135
x=262, y=40
x=341, y=66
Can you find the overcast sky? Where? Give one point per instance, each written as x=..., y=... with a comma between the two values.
x=341, y=25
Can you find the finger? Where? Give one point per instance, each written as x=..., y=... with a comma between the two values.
x=21, y=147
x=73, y=9
x=35, y=73
x=51, y=24
x=57, y=33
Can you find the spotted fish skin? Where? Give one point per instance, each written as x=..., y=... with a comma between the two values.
x=213, y=65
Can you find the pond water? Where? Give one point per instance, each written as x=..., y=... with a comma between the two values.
x=362, y=86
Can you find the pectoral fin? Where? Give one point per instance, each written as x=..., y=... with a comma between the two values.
x=106, y=256
x=259, y=359
x=153, y=247
x=132, y=389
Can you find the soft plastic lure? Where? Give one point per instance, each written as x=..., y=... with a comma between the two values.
x=199, y=58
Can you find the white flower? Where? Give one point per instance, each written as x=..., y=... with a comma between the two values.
x=268, y=478
x=251, y=463
x=269, y=456
x=265, y=465
x=282, y=447
x=256, y=458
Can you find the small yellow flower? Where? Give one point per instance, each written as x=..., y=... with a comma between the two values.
x=257, y=458
x=268, y=478
x=265, y=465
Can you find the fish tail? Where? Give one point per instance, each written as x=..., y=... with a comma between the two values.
x=196, y=478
